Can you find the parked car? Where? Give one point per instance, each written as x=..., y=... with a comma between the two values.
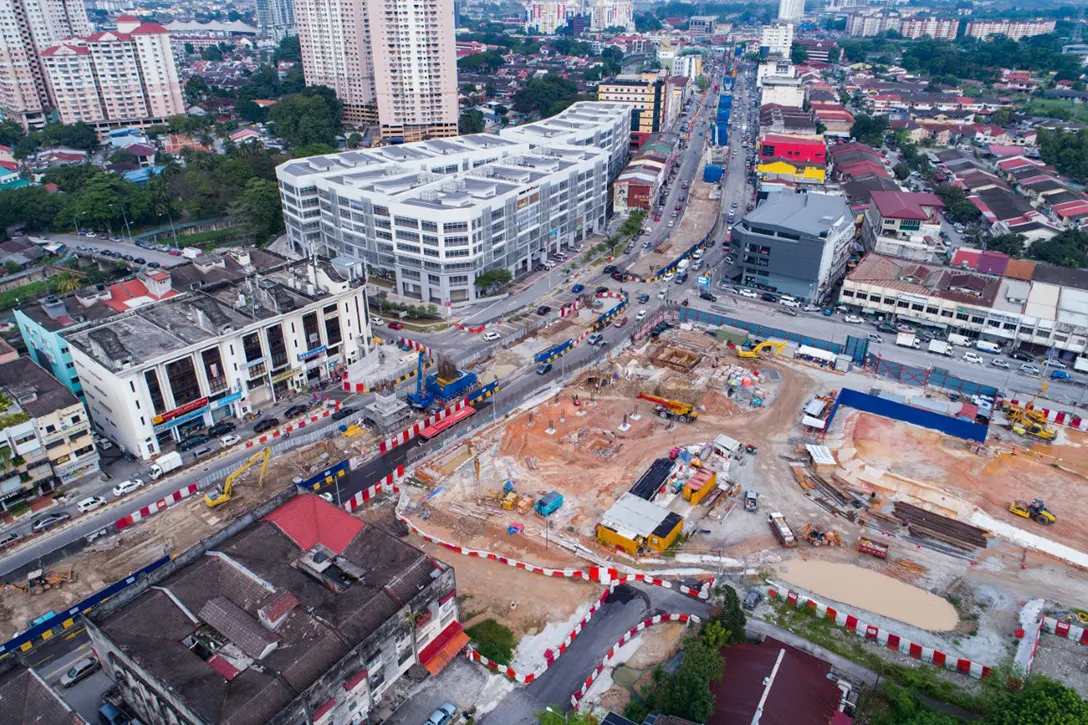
x=442, y=716
x=745, y=292
x=543, y=310
x=1060, y=375
x=9, y=538
x=266, y=424
x=203, y=452
x=887, y=327
x=1020, y=355
x=707, y=296
x=973, y=357
x=90, y=504
x=1055, y=363
x=577, y=288
x=396, y=325
x=128, y=486
x=377, y=321
x=1029, y=369
x=752, y=599
x=80, y=670
x=852, y=319
x=229, y=440
x=346, y=412
x=188, y=444
x=221, y=429
x=491, y=336
x=293, y=412
x=544, y=369
x=1000, y=363
x=873, y=337
x=811, y=308
x=49, y=521
x=600, y=290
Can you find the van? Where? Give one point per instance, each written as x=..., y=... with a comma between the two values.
x=960, y=340
x=972, y=357
x=989, y=347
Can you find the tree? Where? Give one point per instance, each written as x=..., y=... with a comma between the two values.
x=1010, y=244
x=189, y=49
x=555, y=716
x=498, y=276
x=1041, y=701
x=488, y=62
x=308, y=118
x=715, y=635
x=728, y=611
x=1068, y=249
x=869, y=129
x=833, y=54
x=471, y=121
x=66, y=283
x=645, y=23
x=798, y=54
x=250, y=111
x=546, y=96
x=258, y=209
x=354, y=140
x=11, y=266
x=682, y=694
x=901, y=171
x=957, y=205
x=212, y=53
x=702, y=83
x=313, y=149
x=289, y=50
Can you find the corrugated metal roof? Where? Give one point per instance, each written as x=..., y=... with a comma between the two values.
x=634, y=515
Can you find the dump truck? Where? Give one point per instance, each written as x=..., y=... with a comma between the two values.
x=940, y=347
x=165, y=463
x=781, y=530
x=671, y=409
x=751, y=500
x=873, y=548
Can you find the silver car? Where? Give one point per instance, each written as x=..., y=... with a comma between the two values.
x=80, y=670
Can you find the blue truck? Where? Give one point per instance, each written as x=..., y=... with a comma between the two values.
x=549, y=503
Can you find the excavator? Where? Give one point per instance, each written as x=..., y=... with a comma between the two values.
x=226, y=492
x=671, y=409
x=1027, y=422
x=1036, y=510
x=776, y=347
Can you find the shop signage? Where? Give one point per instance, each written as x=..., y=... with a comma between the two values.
x=227, y=400
x=285, y=375
x=180, y=410
x=173, y=423
x=311, y=353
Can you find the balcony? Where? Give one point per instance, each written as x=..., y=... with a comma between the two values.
x=219, y=384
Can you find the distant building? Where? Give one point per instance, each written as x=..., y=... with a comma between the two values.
x=702, y=24
x=783, y=91
x=1080, y=50
x=648, y=94
x=936, y=28
x=817, y=50
x=1014, y=29
x=307, y=614
x=114, y=78
x=866, y=25
x=776, y=39
x=690, y=65
x=903, y=224
x=276, y=18
x=796, y=244
x=791, y=11
x=546, y=17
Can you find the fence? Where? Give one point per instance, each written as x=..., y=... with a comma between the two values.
x=282, y=444
x=197, y=226
x=958, y=427
x=702, y=317
x=927, y=377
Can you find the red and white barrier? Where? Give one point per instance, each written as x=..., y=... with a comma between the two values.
x=619, y=295
x=630, y=634
x=297, y=425
x=416, y=428
x=161, y=505
x=404, y=342
x=892, y=641
x=476, y=328
x=571, y=308
x=389, y=483
x=1066, y=630
x=1058, y=417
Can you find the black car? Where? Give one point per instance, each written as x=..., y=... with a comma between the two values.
x=153, y=264
x=188, y=444
x=266, y=424
x=9, y=538
x=49, y=520
x=221, y=429
x=543, y=310
x=708, y=297
x=609, y=269
x=140, y=260
x=752, y=600
x=643, y=299
x=1020, y=355
x=768, y=297
x=294, y=411
x=619, y=275
x=601, y=290
x=344, y=412
x=887, y=327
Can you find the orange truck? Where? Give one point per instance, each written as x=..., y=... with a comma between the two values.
x=873, y=548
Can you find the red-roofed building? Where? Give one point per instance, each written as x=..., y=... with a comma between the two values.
x=903, y=224
x=309, y=521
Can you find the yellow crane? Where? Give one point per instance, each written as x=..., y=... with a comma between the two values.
x=224, y=494
x=774, y=346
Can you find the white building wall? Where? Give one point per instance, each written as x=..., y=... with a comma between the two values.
x=777, y=38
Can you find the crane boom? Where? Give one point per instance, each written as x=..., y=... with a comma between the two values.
x=675, y=409
x=222, y=495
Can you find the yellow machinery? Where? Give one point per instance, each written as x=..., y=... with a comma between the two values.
x=1036, y=510
x=224, y=494
x=1027, y=422
x=774, y=347
x=673, y=409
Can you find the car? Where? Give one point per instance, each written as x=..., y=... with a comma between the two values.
x=94, y=535
x=229, y=440
x=577, y=288
x=790, y=302
x=293, y=412
x=1060, y=375
x=188, y=444
x=140, y=260
x=600, y=290
x=9, y=538
x=173, y=252
x=49, y=520
x=609, y=268
x=811, y=308
x=126, y=487
x=643, y=298
x=544, y=369
x=128, y=258
x=887, y=327
x=1029, y=369
x=671, y=224
x=749, y=293
x=682, y=198
x=668, y=276
x=596, y=339
x=396, y=325
x=345, y=412
x=662, y=294
x=873, y=337
x=548, y=264
x=752, y=599
x=973, y=357
x=90, y=504
x=707, y=296
x=1054, y=362
x=768, y=297
x=266, y=424
x=80, y=670
x=640, y=316
x=203, y=452
x=999, y=363
x=543, y=310
x=220, y=429
x=443, y=715
x=491, y=336
x=1017, y=354
x=153, y=264
x=377, y=322
x=853, y=319
x=657, y=217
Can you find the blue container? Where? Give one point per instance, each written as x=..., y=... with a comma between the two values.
x=712, y=173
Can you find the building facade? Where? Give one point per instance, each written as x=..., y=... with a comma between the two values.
x=1014, y=29
x=115, y=78
x=791, y=11
x=647, y=94
x=903, y=224
x=795, y=244
x=392, y=62
x=27, y=27
x=306, y=615
x=689, y=65
x=547, y=17
x=776, y=39
x=218, y=351
x=865, y=26
x=276, y=18
x=435, y=215
x=936, y=28
x=702, y=24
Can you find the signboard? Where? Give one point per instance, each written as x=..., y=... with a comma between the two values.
x=179, y=420
x=286, y=375
x=227, y=400
x=703, y=280
x=180, y=410
x=314, y=352
x=253, y=363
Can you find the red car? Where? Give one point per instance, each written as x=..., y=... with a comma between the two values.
x=174, y=253
x=657, y=217
x=677, y=207
x=396, y=325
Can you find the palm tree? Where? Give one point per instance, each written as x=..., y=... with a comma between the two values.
x=67, y=282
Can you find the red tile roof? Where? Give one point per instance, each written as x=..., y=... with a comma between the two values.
x=309, y=521
x=905, y=205
x=123, y=292
x=150, y=29
x=126, y=18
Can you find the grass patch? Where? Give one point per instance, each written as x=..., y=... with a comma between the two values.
x=493, y=640
x=1058, y=108
x=208, y=240
x=21, y=295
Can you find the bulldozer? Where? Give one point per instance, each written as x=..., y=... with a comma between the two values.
x=672, y=409
x=1035, y=510
x=221, y=495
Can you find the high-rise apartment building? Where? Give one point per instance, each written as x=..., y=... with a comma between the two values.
x=115, y=77
x=776, y=39
x=1014, y=29
x=391, y=62
x=936, y=28
x=791, y=11
x=547, y=17
x=276, y=18
x=866, y=26
x=647, y=93
x=26, y=28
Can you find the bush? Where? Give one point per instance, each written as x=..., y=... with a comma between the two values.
x=493, y=641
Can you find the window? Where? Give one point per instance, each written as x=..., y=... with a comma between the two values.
x=861, y=296
x=917, y=308
x=847, y=293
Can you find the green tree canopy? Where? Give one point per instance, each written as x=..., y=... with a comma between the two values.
x=869, y=129
x=798, y=54
x=310, y=117
x=250, y=111
x=258, y=210
x=471, y=121
x=487, y=62
x=546, y=96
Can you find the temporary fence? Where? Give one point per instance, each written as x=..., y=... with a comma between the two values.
x=161, y=505
x=703, y=317
x=958, y=427
x=873, y=633
x=1066, y=629
x=630, y=634
x=292, y=427
x=416, y=428
x=927, y=377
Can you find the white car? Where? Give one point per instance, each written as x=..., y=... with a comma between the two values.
x=491, y=336
x=90, y=504
x=790, y=302
x=377, y=321
x=229, y=440
x=1029, y=369
x=999, y=363
x=745, y=292
x=127, y=487
x=853, y=319
x=974, y=358
x=811, y=308
x=549, y=264
x=671, y=224
x=668, y=277
x=640, y=316
x=662, y=294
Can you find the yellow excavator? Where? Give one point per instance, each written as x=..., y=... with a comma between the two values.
x=226, y=492
x=1027, y=422
x=1036, y=510
x=775, y=347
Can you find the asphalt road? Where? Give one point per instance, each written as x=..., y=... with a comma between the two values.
x=74, y=241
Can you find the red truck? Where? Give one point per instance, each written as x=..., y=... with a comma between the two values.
x=868, y=546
